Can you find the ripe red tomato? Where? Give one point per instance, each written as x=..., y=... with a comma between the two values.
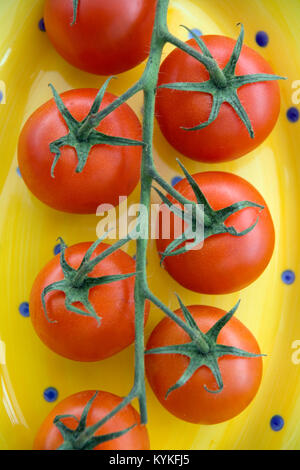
x=109, y=37
x=50, y=438
x=76, y=336
x=110, y=171
x=191, y=402
x=225, y=263
x=226, y=138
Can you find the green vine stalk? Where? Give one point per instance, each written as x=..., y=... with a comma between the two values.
x=223, y=85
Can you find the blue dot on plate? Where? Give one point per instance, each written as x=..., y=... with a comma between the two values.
x=57, y=249
x=262, y=38
x=277, y=423
x=288, y=276
x=176, y=180
x=1, y=96
x=195, y=31
x=24, y=309
x=18, y=172
x=50, y=394
x=42, y=25
x=293, y=114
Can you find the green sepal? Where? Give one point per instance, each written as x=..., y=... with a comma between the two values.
x=222, y=84
x=201, y=216
x=203, y=349
x=77, y=282
x=81, y=438
x=96, y=440
x=83, y=135
x=75, y=11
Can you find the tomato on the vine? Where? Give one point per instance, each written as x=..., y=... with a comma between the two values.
x=109, y=171
x=224, y=136
x=225, y=262
x=197, y=400
x=49, y=436
x=106, y=38
x=71, y=333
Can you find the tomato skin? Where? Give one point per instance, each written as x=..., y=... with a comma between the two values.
x=49, y=437
x=109, y=37
x=76, y=336
x=110, y=171
x=227, y=137
x=191, y=402
x=225, y=263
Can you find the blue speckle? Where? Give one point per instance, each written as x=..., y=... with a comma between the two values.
x=18, y=172
x=57, y=249
x=288, y=277
x=293, y=114
x=50, y=394
x=42, y=25
x=24, y=309
x=1, y=96
x=262, y=38
x=277, y=423
x=176, y=180
x=195, y=31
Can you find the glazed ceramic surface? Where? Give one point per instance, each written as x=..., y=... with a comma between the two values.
x=32, y=378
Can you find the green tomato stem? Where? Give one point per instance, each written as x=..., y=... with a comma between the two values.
x=216, y=74
x=149, y=81
x=202, y=344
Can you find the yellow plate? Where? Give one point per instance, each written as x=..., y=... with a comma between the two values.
x=29, y=229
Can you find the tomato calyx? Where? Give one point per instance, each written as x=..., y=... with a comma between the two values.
x=77, y=282
x=222, y=84
x=82, y=438
x=203, y=350
x=75, y=11
x=201, y=219
x=83, y=135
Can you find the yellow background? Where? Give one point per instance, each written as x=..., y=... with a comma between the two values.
x=29, y=230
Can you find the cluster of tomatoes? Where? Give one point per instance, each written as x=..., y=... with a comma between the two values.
x=108, y=38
